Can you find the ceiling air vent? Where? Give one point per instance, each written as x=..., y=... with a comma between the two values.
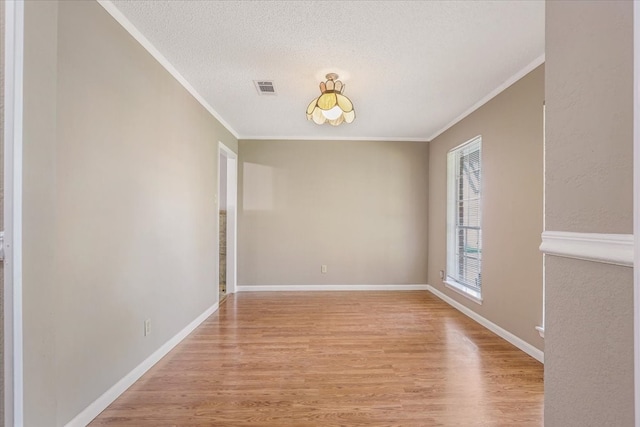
x=265, y=87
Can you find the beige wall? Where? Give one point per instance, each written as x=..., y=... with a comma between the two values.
x=38, y=230
x=589, y=306
x=360, y=207
x=120, y=176
x=589, y=344
x=589, y=122
x=119, y=224
x=511, y=126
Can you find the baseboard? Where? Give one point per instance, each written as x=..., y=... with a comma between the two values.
x=518, y=342
x=307, y=288
x=101, y=403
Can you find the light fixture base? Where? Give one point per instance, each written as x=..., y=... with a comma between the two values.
x=332, y=76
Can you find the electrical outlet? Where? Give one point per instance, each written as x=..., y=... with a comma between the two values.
x=442, y=274
x=147, y=327
x=323, y=268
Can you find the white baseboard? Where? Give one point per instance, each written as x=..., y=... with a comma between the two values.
x=101, y=403
x=296, y=288
x=518, y=342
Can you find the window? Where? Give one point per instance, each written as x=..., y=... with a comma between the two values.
x=464, y=225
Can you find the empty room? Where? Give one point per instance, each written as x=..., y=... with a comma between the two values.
x=320, y=213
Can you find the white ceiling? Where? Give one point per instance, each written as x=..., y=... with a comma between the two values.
x=411, y=68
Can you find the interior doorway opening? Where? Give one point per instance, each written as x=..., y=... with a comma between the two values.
x=227, y=202
x=222, y=241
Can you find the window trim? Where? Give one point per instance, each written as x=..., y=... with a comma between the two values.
x=461, y=289
x=449, y=281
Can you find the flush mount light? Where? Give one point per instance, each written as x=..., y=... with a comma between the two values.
x=331, y=106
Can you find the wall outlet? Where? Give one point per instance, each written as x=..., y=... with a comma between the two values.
x=147, y=327
x=442, y=274
x=323, y=268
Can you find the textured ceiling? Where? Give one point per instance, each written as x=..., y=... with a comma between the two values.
x=410, y=67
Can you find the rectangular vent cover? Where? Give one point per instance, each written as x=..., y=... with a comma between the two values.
x=265, y=87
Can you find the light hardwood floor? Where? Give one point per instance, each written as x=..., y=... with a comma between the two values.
x=336, y=359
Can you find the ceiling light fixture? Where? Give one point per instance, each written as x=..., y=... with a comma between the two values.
x=332, y=106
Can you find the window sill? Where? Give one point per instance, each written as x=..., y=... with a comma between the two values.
x=464, y=291
x=540, y=330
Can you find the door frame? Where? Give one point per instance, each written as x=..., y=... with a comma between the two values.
x=13, y=100
x=228, y=155
x=636, y=208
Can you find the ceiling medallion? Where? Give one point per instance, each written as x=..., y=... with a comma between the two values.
x=331, y=106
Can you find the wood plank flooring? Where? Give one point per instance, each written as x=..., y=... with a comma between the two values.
x=336, y=359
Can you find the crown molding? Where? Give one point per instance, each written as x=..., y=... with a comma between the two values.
x=331, y=138
x=149, y=47
x=511, y=80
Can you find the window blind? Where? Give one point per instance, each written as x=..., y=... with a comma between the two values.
x=465, y=232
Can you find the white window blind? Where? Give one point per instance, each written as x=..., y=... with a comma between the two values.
x=464, y=218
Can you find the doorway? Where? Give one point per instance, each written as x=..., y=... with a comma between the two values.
x=227, y=217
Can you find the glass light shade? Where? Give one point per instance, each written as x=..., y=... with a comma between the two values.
x=332, y=114
x=331, y=106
